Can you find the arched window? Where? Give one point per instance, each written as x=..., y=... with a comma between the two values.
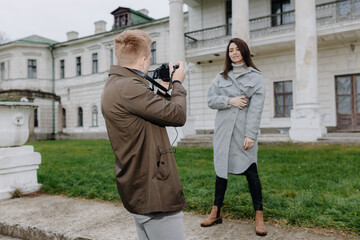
x=80, y=117
x=64, y=117
x=94, y=116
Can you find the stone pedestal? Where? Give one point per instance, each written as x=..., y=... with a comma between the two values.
x=306, y=125
x=18, y=170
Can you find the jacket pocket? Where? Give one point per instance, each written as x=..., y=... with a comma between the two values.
x=247, y=87
x=225, y=83
x=248, y=82
x=164, y=163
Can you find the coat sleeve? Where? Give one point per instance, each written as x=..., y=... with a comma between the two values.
x=214, y=99
x=139, y=100
x=255, y=108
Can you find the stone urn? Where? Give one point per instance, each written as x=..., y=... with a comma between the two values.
x=18, y=163
x=14, y=123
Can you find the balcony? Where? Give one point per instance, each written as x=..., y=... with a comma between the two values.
x=273, y=25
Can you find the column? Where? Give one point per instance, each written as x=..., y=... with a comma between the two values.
x=176, y=53
x=176, y=38
x=306, y=119
x=240, y=19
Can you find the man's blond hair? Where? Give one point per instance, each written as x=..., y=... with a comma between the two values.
x=130, y=45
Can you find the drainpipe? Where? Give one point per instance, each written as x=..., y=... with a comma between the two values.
x=53, y=89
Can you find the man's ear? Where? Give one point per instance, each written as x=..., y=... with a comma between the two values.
x=142, y=61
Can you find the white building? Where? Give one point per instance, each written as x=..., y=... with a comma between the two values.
x=308, y=52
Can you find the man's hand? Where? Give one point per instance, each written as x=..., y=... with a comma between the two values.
x=248, y=143
x=165, y=85
x=179, y=73
x=238, y=102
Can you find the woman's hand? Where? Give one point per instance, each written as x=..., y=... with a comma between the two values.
x=248, y=143
x=238, y=102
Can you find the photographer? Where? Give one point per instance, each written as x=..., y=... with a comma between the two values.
x=146, y=174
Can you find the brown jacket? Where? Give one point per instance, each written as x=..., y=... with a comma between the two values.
x=145, y=168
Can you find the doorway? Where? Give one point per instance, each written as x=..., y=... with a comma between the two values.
x=348, y=102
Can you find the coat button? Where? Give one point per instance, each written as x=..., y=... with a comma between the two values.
x=182, y=90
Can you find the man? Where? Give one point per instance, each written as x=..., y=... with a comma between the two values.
x=146, y=174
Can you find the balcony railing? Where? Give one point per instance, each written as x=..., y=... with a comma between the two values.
x=328, y=13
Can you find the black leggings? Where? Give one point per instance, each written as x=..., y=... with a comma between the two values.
x=254, y=186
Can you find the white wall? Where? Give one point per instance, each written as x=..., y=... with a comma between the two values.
x=16, y=68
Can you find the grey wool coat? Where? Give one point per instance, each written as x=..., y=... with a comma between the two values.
x=232, y=124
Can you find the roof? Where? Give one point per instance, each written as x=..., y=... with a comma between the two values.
x=36, y=39
x=123, y=9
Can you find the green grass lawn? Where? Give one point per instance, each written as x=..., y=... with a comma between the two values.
x=304, y=185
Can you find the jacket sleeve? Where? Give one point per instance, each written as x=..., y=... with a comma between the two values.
x=214, y=99
x=255, y=108
x=141, y=101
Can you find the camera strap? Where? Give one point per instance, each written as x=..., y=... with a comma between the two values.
x=154, y=83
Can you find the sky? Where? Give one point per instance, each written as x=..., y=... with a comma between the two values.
x=53, y=19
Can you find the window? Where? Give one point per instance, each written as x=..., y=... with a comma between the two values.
x=153, y=53
x=228, y=17
x=36, y=121
x=2, y=71
x=78, y=66
x=94, y=116
x=283, y=98
x=62, y=68
x=95, y=63
x=80, y=117
x=122, y=20
x=31, y=68
x=64, y=117
x=278, y=7
x=111, y=57
x=345, y=7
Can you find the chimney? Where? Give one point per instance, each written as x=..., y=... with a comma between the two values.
x=72, y=35
x=100, y=26
x=144, y=11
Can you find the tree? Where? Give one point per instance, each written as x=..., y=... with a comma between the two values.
x=4, y=38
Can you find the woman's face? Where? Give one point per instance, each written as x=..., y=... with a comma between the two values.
x=235, y=54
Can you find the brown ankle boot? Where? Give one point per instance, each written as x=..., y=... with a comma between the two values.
x=260, y=228
x=215, y=217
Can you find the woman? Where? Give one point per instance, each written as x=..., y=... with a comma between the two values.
x=238, y=94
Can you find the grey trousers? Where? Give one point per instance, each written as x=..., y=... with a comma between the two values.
x=160, y=226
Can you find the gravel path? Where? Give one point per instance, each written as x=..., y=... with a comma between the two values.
x=55, y=217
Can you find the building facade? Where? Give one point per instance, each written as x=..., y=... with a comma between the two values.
x=308, y=52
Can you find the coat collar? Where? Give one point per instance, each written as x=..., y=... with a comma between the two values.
x=124, y=72
x=232, y=76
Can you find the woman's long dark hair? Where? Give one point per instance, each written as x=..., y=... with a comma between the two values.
x=245, y=52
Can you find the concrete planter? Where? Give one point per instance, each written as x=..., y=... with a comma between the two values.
x=18, y=164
